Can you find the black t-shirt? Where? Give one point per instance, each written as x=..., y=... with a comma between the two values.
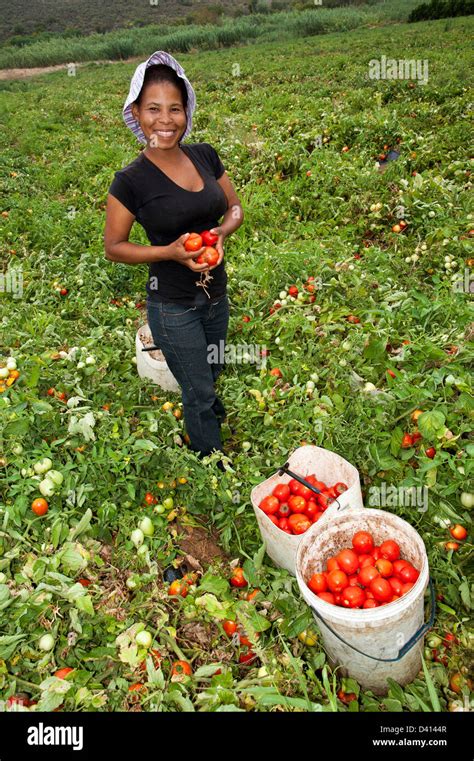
x=165, y=211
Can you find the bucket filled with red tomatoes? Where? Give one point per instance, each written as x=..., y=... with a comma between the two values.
x=296, y=497
x=364, y=573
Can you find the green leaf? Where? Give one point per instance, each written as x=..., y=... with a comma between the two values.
x=431, y=688
x=393, y=705
x=395, y=691
x=430, y=424
x=83, y=524
x=465, y=593
x=246, y=611
x=375, y=350
x=446, y=608
x=258, y=558
x=145, y=445
x=214, y=584
x=85, y=605
x=17, y=428
x=8, y=645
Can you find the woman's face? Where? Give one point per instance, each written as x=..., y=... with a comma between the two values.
x=161, y=115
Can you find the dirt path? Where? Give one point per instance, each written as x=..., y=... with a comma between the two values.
x=25, y=73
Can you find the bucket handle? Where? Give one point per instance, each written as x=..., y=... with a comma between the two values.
x=407, y=646
x=285, y=469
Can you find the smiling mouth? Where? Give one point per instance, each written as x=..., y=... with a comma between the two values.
x=165, y=133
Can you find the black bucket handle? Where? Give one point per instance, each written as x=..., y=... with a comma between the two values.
x=285, y=469
x=406, y=647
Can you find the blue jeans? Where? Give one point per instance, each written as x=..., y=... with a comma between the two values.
x=185, y=334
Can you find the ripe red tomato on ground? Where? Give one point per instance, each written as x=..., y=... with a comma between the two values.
x=39, y=506
x=178, y=588
x=238, y=579
x=62, y=673
x=181, y=668
x=407, y=441
x=230, y=627
x=458, y=532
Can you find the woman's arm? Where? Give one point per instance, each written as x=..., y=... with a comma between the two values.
x=118, y=223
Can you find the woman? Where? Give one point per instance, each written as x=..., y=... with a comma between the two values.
x=173, y=189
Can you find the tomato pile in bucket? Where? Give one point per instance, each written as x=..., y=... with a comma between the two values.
x=293, y=507
x=366, y=575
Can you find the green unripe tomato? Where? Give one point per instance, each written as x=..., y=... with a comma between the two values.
x=147, y=526
x=137, y=537
x=467, y=500
x=144, y=639
x=46, y=642
x=159, y=509
x=168, y=503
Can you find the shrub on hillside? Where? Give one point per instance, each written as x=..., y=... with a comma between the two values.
x=442, y=9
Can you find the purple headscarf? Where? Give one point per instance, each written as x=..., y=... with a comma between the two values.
x=136, y=85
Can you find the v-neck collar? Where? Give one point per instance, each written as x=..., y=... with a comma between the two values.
x=172, y=181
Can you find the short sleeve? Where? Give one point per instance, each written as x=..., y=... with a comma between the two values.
x=121, y=190
x=218, y=167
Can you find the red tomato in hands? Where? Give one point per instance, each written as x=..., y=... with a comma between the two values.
x=208, y=238
x=193, y=243
x=209, y=256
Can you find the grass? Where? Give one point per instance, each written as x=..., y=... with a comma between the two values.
x=308, y=212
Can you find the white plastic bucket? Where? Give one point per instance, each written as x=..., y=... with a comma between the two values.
x=155, y=369
x=374, y=635
x=328, y=467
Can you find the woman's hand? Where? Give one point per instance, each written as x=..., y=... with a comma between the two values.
x=219, y=246
x=178, y=253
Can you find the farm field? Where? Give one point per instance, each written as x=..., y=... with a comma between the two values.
x=300, y=127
